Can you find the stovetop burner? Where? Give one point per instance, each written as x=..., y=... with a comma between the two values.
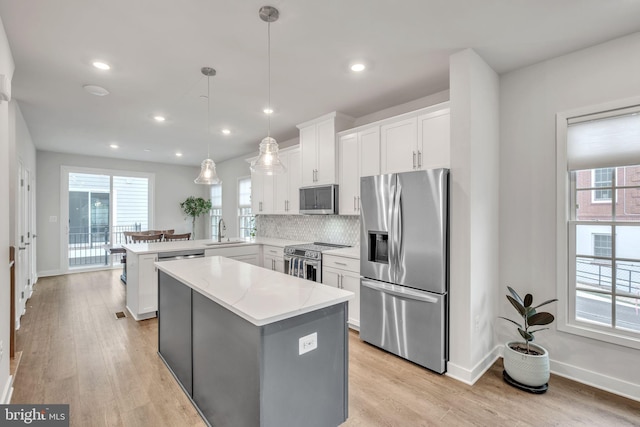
x=311, y=250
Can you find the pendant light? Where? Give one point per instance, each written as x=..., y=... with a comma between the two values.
x=208, y=175
x=268, y=162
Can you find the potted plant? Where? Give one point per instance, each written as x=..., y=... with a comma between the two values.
x=525, y=363
x=194, y=207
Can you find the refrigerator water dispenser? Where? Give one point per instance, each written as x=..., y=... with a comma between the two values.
x=378, y=247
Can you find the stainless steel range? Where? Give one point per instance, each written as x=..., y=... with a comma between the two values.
x=305, y=260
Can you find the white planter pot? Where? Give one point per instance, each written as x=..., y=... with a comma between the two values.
x=528, y=369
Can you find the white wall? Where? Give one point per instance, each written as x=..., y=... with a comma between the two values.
x=530, y=98
x=396, y=110
x=6, y=68
x=473, y=215
x=173, y=184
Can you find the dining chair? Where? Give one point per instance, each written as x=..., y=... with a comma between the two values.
x=146, y=238
x=171, y=237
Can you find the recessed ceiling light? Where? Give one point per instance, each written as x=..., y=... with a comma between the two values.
x=146, y=150
x=96, y=90
x=226, y=131
x=159, y=118
x=178, y=154
x=101, y=65
x=114, y=145
x=358, y=67
x=268, y=111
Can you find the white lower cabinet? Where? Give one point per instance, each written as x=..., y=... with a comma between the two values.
x=142, y=285
x=249, y=254
x=344, y=273
x=273, y=258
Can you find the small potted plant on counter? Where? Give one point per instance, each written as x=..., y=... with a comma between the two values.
x=526, y=365
x=194, y=207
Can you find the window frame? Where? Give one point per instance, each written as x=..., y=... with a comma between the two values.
x=240, y=207
x=565, y=232
x=215, y=214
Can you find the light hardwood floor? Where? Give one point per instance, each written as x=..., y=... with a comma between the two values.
x=75, y=351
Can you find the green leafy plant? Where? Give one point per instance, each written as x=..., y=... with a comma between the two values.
x=529, y=316
x=194, y=207
x=254, y=229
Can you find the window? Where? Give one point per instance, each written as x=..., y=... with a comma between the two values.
x=599, y=159
x=602, y=245
x=245, y=217
x=602, y=178
x=216, y=208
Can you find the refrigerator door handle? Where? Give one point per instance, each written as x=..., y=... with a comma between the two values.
x=396, y=238
x=400, y=291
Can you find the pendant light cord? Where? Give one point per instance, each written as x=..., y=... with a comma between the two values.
x=269, y=78
x=208, y=114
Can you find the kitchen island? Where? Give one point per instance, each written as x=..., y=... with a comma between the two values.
x=254, y=347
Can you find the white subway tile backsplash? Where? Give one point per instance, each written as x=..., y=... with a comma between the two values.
x=342, y=230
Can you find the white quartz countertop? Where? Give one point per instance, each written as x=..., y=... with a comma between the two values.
x=350, y=252
x=185, y=245
x=258, y=295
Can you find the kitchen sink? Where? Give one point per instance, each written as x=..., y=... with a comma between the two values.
x=232, y=241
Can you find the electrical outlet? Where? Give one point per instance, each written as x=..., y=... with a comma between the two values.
x=1, y=349
x=477, y=323
x=308, y=343
x=53, y=218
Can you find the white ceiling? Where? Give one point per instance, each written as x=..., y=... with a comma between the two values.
x=156, y=49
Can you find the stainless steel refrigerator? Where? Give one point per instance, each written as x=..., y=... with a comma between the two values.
x=404, y=265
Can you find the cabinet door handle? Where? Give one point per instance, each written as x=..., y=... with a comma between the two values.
x=358, y=203
x=414, y=159
x=354, y=203
x=260, y=209
x=419, y=158
x=340, y=263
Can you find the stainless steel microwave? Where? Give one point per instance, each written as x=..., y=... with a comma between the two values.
x=319, y=200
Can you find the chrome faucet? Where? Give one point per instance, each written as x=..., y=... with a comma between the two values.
x=221, y=227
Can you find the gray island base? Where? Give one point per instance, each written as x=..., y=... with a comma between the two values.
x=238, y=373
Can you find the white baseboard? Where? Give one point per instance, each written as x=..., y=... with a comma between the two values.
x=594, y=379
x=470, y=376
x=7, y=391
x=49, y=273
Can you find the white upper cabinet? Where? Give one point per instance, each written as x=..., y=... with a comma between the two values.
x=434, y=133
x=399, y=145
x=278, y=194
x=287, y=185
x=261, y=194
x=359, y=156
x=416, y=141
x=318, y=148
x=349, y=184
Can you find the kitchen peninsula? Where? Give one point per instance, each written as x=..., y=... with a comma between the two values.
x=142, y=279
x=252, y=346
